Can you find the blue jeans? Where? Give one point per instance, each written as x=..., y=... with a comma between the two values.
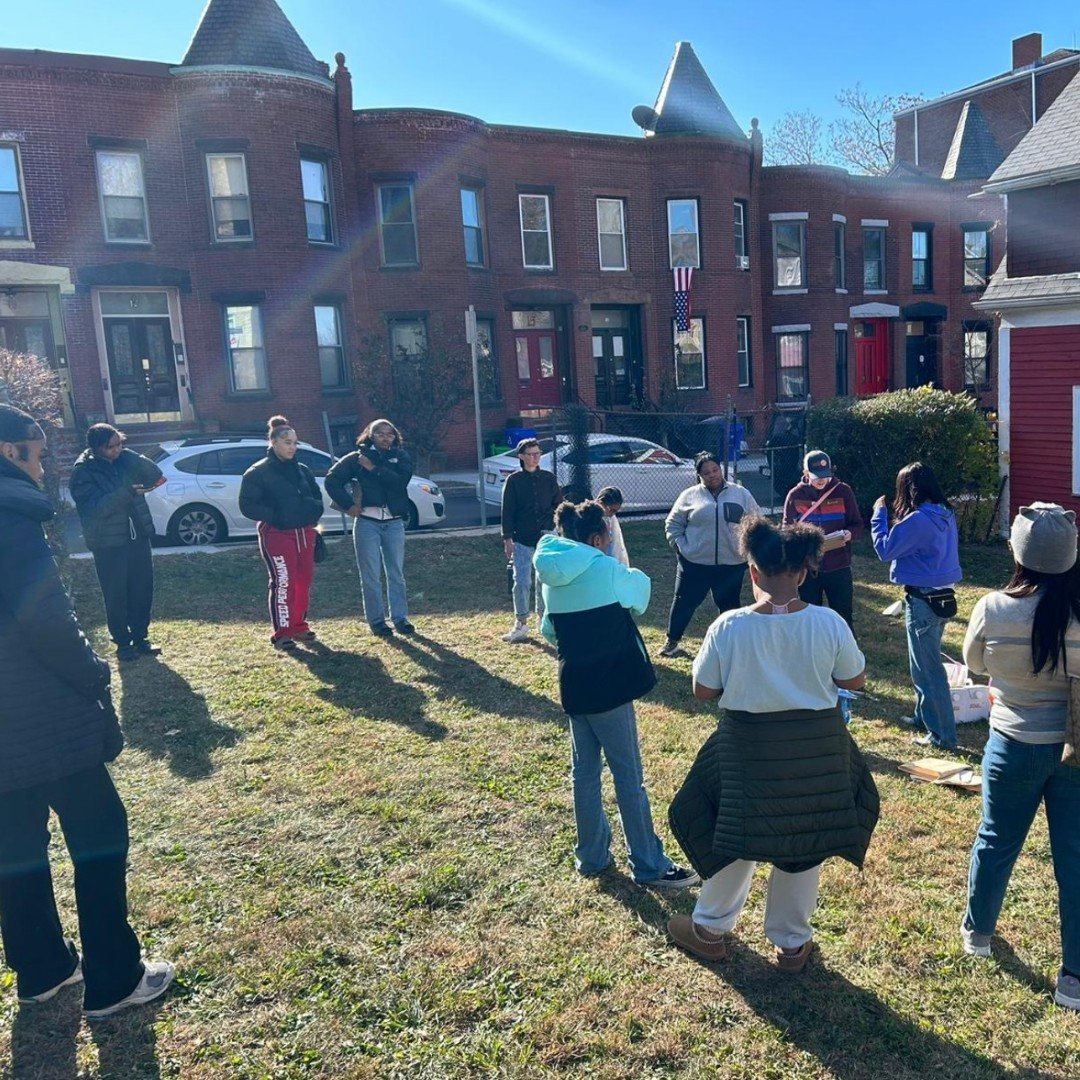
x=933, y=702
x=1016, y=778
x=523, y=583
x=381, y=544
x=615, y=734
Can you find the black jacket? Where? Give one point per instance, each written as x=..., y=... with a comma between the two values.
x=385, y=485
x=789, y=788
x=109, y=509
x=528, y=505
x=56, y=717
x=284, y=494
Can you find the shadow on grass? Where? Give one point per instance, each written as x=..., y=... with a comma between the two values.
x=166, y=718
x=453, y=675
x=44, y=1041
x=359, y=683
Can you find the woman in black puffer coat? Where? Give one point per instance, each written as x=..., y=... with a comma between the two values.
x=281, y=494
x=108, y=484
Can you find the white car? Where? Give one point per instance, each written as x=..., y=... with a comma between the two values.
x=649, y=476
x=199, y=503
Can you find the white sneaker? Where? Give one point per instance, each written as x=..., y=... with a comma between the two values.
x=518, y=634
x=975, y=944
x=157, y=976
x=47, y=995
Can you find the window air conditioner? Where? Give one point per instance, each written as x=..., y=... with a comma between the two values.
x=742, y=262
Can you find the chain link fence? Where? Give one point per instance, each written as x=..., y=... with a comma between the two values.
x=648, y=456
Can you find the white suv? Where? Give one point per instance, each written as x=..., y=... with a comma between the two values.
x=199, y=503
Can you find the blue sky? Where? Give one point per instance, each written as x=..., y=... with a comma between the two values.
x=584, y=64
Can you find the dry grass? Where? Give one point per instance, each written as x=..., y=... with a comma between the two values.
x=360, y=857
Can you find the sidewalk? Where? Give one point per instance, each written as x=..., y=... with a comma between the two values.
x=456, y=482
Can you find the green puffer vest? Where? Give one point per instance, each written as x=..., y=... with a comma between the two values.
x=788, y=788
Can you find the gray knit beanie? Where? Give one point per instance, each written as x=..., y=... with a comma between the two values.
x=1043, y=538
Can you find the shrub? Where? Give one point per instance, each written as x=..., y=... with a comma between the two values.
x=871, y=439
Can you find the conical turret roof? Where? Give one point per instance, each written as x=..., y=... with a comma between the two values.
x=974, y=153
x=688, y=103
x=249, y=33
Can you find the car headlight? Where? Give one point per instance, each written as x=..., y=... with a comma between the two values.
x=431, y=489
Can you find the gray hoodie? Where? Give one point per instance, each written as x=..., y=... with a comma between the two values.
x=704, y=528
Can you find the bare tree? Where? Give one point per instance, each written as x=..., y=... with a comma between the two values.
x=865, y=139
x=797, y=139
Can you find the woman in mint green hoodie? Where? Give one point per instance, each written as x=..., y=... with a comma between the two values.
x=589, y=602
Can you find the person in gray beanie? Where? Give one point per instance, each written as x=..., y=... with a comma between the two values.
x=1027, y=637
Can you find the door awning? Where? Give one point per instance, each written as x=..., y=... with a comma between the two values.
x=874, y=311
x=13, y=273
x=924, y=309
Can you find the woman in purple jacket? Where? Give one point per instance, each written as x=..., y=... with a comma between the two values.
x=923, y=548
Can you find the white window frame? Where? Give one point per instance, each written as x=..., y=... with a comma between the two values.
x=258, y=334
x=742, y=323
x=327, y=203
x=214, y=199
x=550, y=264
x=343, y=367
x=410, y=187
x=840, y=259
x=801, y=331
x=1076, y=440
x=742, y=241
x=478, y=194
x=787, y=220
x=26, y=239
x=704, y=355
x=882, y=228
x=696, y=264
x=621, y=234
x=137, y=155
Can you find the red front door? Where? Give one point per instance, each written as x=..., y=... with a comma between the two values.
x=539, y=386
x=871, y=356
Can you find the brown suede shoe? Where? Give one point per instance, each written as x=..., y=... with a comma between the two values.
x=696, y=939
x=794, y=962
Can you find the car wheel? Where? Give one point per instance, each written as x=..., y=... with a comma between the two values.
x=197, y=525
x=413, y=521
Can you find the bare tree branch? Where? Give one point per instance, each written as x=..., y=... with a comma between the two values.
x=865, y=140
x=796, y=139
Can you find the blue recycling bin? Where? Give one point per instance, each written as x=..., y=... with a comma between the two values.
x=514, y=435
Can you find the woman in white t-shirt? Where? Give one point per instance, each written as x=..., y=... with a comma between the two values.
x=781, y=780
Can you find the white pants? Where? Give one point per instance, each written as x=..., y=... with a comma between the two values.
x=790, y=902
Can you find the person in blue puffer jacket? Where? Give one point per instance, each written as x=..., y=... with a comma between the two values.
x=923, y=548
x=589, y=603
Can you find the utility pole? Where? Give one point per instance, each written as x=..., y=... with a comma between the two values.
x=470, y=337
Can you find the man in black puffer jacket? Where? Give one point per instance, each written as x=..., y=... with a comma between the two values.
x=57, y=730
x=108, y=484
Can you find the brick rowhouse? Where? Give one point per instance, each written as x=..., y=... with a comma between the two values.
x=199, y=245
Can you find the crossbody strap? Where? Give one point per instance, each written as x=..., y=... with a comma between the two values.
x=804, y=516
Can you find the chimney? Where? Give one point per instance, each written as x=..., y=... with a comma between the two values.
x=1027, y=50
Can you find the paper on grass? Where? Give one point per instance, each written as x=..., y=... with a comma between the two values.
x=894, y=608
x=944, y=772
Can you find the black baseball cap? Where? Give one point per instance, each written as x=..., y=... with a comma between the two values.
x=817, y=464
x=17, y=426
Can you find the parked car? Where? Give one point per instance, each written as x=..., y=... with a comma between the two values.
x=649, y=476
x=200, y=501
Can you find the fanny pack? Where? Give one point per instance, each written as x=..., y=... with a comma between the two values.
x=942, y=601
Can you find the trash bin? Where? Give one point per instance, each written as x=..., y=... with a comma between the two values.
x=514, y=435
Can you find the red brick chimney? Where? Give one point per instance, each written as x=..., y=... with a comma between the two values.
x=1027, y=50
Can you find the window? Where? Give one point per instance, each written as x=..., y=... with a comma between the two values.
x=684, y=243
x=742, y=350
x=792, y=375
x=13, y=221
x=873, y=258
x=922, y=239
x=976, y=356
x=789, y=254
x=690, y=356
x=839, y=255
x=318, y=462
x=231, y=460
x=1076, y=440
x=742, y=250
x=611, y=229
x=247, y=356
x=123, y=198
x=408, y=346
x=841, y=361
x=535, y=212
x=397, y=225
x=332, y=370
x=487, y=362
x=472, y=222
x=976, y=256
x=315, y=177
x=230, y=206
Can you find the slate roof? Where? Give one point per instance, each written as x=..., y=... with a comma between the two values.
x=250, y=33
x=688, y=103
x=1003, y=291
x=1052, y=145
x=974, y=153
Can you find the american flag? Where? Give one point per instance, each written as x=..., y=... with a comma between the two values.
x=682, y=275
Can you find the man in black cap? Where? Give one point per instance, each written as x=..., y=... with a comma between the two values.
x=57, y=730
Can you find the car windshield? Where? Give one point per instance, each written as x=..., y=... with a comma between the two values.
x=155, y=453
